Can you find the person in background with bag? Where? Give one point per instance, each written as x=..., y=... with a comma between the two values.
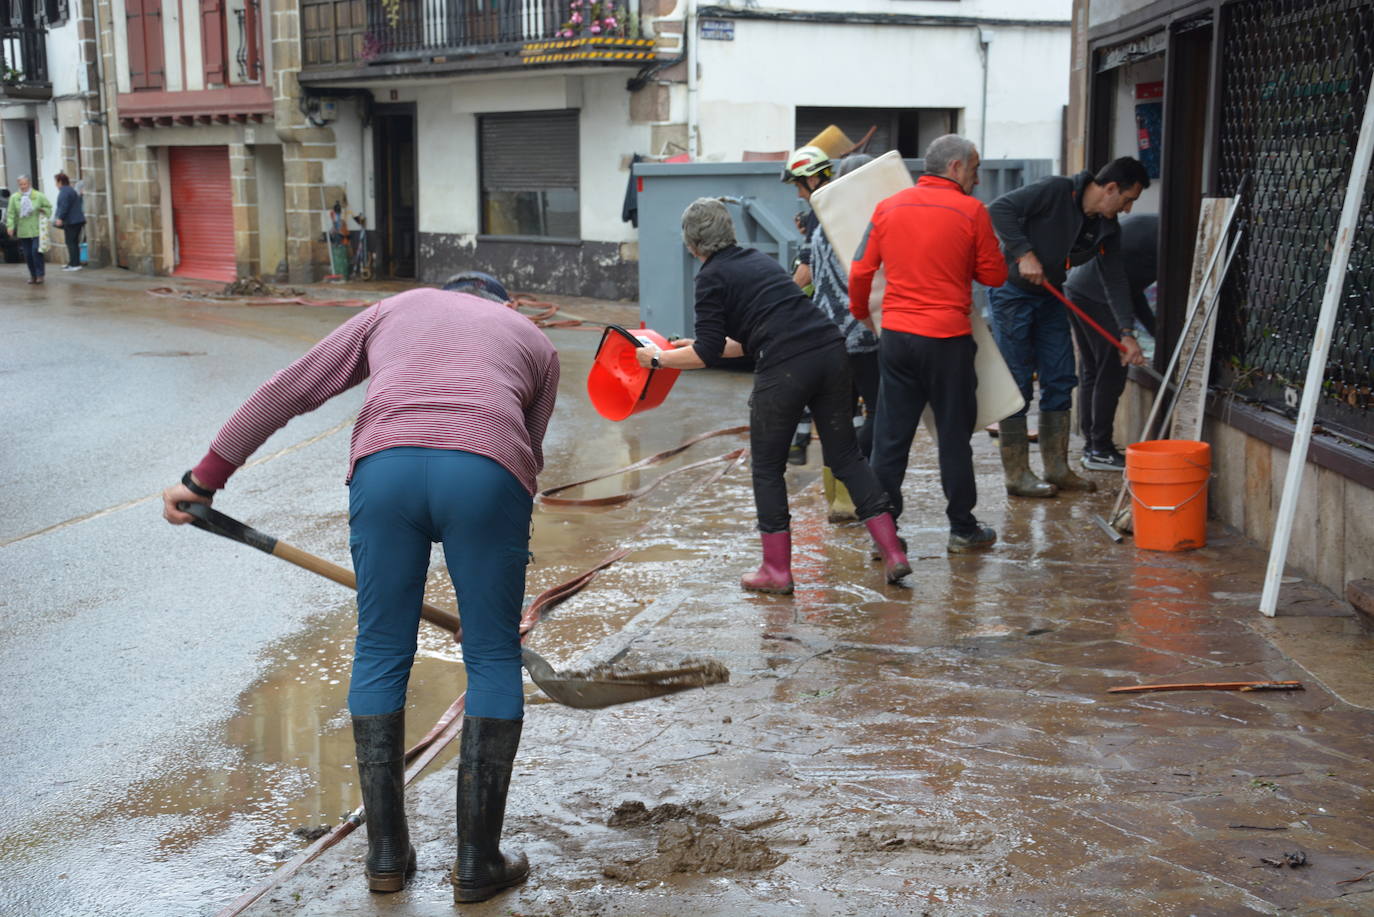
x=27, y=219
x=70, y=217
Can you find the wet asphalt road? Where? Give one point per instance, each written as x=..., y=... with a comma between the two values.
x=124, y=642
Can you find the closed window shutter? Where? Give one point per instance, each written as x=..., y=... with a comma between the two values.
x=212, y=41
x=145, y=43
x=529, y=151
x=138, y=54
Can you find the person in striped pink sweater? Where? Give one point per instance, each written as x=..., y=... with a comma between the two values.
x=446, y=448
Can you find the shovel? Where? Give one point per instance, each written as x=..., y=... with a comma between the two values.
x=603, y=686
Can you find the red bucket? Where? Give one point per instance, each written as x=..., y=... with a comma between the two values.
x=617, y=384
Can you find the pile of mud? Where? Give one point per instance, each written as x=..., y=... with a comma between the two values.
x=689, y=841
x=251, y=286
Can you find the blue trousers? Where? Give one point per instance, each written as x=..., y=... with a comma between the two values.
x=1032, y=331
x=33, y=257
x=400, y=502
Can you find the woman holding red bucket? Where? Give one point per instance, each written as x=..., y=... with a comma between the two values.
x=747, y=303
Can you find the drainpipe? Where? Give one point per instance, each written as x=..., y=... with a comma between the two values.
x=984, y=40
x=105, y=122
x=689, y=34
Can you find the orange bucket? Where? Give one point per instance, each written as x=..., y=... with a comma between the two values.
x=617, y=384
x=1168, y=479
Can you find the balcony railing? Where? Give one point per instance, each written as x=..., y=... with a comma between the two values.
x=337, y=33
x=23, y=61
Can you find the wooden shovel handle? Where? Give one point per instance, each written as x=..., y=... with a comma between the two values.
x=1214, y=686
x=344, y=577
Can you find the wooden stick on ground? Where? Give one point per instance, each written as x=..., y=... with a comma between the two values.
x=1213, y=686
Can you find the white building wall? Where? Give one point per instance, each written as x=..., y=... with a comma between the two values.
x=347, y=170
x=607, y=138
x=65, y=70
x=195, y=58
x=173, y=64
x=751, y=87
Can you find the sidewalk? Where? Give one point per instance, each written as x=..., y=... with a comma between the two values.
x=946, y=749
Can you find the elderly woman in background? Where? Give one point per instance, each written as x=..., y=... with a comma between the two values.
x=24, y=218
x=746, y=303
x=70, y=217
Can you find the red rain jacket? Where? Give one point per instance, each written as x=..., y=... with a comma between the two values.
x=934, y=240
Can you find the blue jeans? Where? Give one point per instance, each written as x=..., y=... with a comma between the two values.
x=1032, y=331
x=33, y=257
x=400, y=502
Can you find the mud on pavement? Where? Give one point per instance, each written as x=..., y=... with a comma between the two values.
x=946, y=749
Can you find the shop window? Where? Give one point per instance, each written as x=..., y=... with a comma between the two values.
x=529, y=163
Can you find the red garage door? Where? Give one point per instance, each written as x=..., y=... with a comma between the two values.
x=203, y=212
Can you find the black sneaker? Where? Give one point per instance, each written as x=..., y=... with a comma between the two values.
x=982, y=537
x=1106, y=460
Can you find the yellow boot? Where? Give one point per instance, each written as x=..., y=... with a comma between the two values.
x=837, y=498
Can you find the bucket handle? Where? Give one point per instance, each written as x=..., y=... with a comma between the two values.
x=636, y=343
x=1169, y=509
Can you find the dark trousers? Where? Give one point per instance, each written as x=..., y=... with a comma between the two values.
x=863, y=367
x=819, y=380
x=33, y=257
x=1032, y=331
x=919, y=371
x=73, y=238
x=1102, y=378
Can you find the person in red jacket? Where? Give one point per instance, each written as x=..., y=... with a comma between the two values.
x=934, y=239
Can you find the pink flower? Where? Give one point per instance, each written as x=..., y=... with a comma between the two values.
x=567, y=33
x=596, y=28
x=610, y=22
x=576, y=18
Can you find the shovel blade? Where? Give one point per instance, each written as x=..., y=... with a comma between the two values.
x=593, y=693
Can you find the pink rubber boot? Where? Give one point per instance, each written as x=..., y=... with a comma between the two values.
x=884, y=532
x=775, y=575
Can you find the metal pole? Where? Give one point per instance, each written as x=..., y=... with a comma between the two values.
x=1316, y=367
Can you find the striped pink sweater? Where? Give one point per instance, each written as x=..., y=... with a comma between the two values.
x=448, y=371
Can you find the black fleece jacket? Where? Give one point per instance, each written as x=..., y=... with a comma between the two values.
x=1046, y=217
x=744, y=294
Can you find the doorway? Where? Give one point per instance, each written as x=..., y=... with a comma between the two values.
x=1187, y=166
x=397, y=224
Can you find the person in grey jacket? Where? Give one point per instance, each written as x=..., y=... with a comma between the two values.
x=70, y=217
x=1045, y=228
x=1101, y=368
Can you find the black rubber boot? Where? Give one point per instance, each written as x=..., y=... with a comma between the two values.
x=484, y=768
x=380, y=744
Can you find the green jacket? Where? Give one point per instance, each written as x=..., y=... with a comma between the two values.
x=27, y=227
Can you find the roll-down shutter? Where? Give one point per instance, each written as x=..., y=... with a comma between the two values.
x=529, y=151
x=203, y=213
